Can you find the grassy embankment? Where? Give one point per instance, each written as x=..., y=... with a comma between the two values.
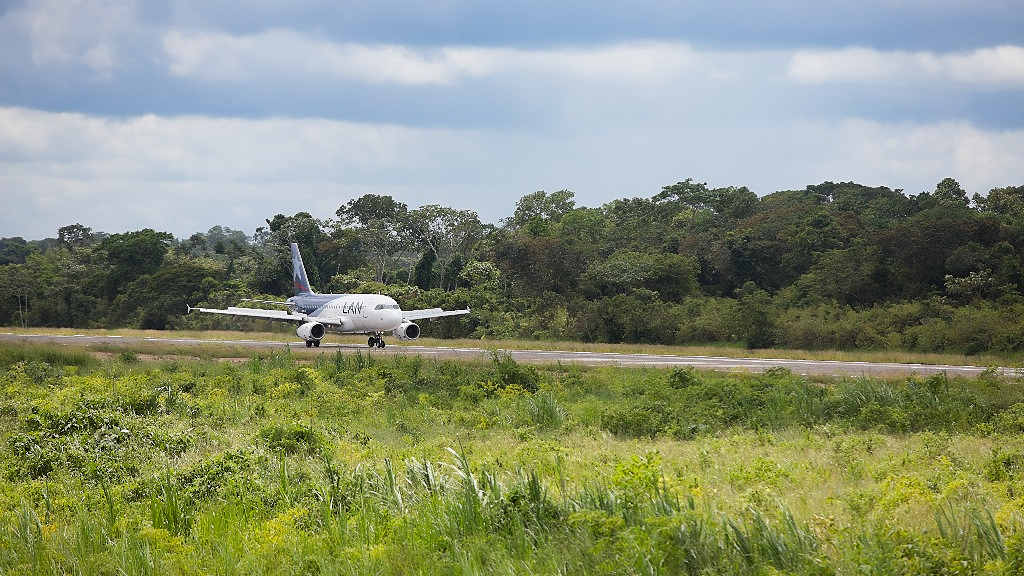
x=394, y=465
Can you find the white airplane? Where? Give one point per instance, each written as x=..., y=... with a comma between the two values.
x=316, y=314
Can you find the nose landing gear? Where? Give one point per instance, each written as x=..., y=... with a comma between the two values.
x=375, y=341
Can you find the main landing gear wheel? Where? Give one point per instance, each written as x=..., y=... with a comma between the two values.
x=311, y=343
x=375, y=342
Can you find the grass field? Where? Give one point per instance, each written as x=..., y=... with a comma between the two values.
x=352, y=464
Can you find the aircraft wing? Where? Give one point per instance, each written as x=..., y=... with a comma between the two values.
x=253, y=313
x=340, y=322
x=430, y=313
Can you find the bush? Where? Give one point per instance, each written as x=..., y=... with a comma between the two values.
x=639, y=418
x=508, y=372
x=292, y=438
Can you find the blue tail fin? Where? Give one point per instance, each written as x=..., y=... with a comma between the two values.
x=299, y=273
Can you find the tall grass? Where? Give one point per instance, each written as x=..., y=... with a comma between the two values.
x=12, y=353
x=391, y=465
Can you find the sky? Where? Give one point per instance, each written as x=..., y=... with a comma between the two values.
x=181, y=115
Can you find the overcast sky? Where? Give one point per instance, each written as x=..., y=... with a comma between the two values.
x=180, y=115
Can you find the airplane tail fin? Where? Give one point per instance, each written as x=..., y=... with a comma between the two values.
x=299, y=273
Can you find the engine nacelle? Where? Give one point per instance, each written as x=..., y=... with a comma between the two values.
x=407, y=331
x=311, y=331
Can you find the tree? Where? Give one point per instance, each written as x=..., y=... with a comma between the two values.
x=74, y=236
x=539, y=210
x=446, y=232
x=849, y=276
x=133, y=254
x=304, y=230
x=371, y=208
x=224, y=240
x=151, y=301
x=670, y=276
x=874, y=208
x=380, y=222
x=639, y=224
x=1008, y=201
x=757, y=316
x=695, y=197
x=14, y=250
x=16, y=284
x=949, y=192
x=533, y=265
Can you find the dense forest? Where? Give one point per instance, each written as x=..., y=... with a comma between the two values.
x=833, y=266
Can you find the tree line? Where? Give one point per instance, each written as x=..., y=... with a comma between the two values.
x=842, y=266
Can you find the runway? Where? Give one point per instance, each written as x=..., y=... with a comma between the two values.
x=718, y=363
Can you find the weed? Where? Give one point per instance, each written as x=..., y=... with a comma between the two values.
x=169, y=508
x=546, y=412
x=292, y=438
x=596, y=470
x=508, y=372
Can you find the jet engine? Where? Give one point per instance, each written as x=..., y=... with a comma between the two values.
x=407, y=331
x=311, y=331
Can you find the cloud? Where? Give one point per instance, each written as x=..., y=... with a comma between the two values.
x=916, y=157
x=78, y=32
x=219, y=57
x=998, y=67
x=187, y=174
x=273, y=54
x=216, y=150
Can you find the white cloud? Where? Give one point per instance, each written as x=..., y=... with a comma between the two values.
x=222, y=57
x=79, y=32
x=916, y=157
x=1001, y=66
x=148, y=148
x=186, y=174
x=277, y=53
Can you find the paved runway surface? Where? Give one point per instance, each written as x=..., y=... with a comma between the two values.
x=807, y=367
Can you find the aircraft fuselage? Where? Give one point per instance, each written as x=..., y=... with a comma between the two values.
x=354, y=312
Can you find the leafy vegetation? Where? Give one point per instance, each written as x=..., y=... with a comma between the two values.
x=831, y=267
x=350, y=463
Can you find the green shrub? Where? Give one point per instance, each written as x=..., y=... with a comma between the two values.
x=637, y=418
x=508, y=372
x=683, y=377
x=231, y=474
x=292, y=438
x=1011, y=420
x=1004, y=466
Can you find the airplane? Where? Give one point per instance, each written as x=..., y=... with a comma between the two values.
x=317, y=314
